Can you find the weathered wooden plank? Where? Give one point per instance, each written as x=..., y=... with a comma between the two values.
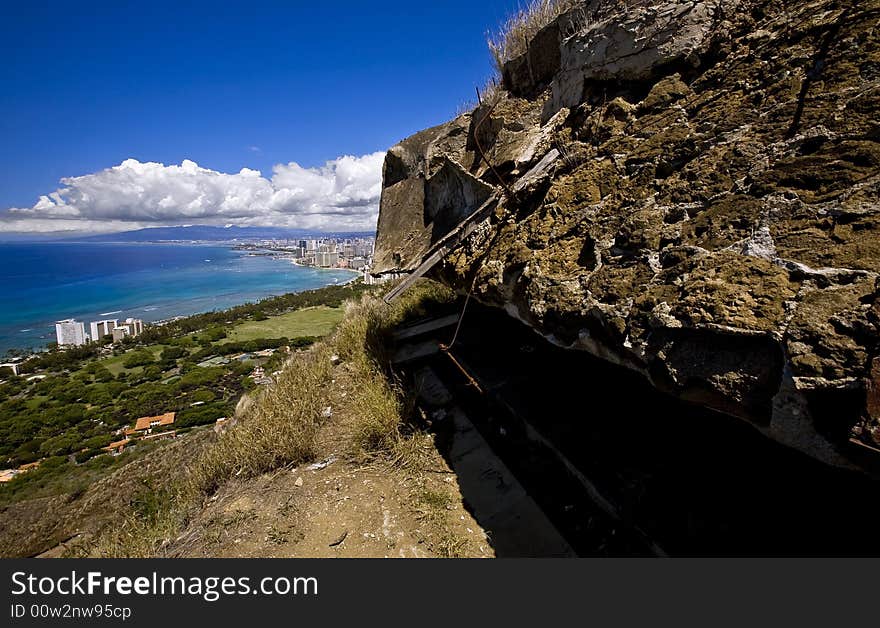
x=443, y=247
x=423, y=268
x=426, y=327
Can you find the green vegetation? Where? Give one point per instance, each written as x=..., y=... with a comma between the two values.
x=280, y=428
x=63, y=418
x=291, y=412
x=317, y=321
x=57, y=475
x=139, y=357
x=330, y=296
x=66, y=419
x=156, y=511
x=131, y=360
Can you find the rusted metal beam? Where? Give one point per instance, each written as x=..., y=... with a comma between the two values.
x=470, y=379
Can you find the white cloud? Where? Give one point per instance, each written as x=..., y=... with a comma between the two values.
x=341, y=195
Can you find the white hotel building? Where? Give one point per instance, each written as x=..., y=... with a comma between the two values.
x=70, y=333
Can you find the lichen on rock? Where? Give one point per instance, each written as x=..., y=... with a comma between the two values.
x=706, y=210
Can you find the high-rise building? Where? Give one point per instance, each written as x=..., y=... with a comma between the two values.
x=70, y=333
x=131, y=327
x=99, y=329
x=326, y=259
x=136, y=325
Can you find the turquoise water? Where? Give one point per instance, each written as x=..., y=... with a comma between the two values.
x=42, y=283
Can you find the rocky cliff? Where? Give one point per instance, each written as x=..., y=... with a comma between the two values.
x=687, y=188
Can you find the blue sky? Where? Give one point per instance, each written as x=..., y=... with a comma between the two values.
x=226, y=85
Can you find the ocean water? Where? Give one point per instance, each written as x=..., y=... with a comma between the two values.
x=42, y=283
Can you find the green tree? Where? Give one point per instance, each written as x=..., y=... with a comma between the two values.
x=98, y=396
x=170, y=354
x=152, y=373
x=137, y=358
x=60, y=445
x=204, y=395
x=97, y=442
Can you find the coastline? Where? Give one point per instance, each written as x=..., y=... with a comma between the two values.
x=285, y=255
x=355, y=275
x=206, y=282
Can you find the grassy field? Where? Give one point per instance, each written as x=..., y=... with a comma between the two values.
x=316, y=321
x=114, y=364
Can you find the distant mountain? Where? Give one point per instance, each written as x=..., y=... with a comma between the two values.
x=203, y=233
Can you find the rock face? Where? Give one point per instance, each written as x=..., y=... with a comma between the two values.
x=689, y=189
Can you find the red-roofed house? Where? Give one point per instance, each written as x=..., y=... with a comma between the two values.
x=118, y=447
x=7, y=475
x=147, y=423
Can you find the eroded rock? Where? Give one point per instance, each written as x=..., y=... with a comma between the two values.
x=696, y=191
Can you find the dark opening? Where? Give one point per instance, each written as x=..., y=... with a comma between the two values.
x=694, y=481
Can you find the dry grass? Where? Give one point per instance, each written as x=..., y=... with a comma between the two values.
x=380, y=408
x=432, y=507
x=155, y=516
x=279, y=428
x=379, y=413
x=573, y=153
x=513, y=38
x=491, y=93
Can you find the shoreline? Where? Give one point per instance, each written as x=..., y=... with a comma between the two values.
x=204, y=303
x=285, y=256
